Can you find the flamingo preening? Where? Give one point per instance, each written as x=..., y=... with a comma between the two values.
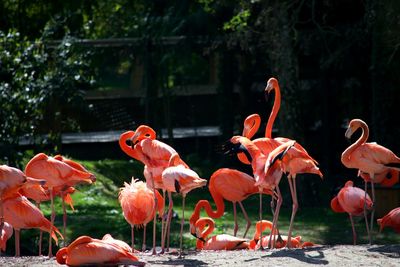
x=352, y=200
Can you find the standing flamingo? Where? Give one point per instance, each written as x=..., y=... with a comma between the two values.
x=232, y=185
x=369, y=158
x=40, y=193
x=137, y=203
x=89, y=251
x=352, y=200
x=178, y=178
x=5, y=234
x=216, y=242
x=391, y=219
x=22, y=214
x=258, y=159
x=292, y=161
x=155, y=156
x=267, y=143
x=56, y=173
x=11, y=181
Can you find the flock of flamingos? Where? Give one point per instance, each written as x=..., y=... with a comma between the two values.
x=46, y=177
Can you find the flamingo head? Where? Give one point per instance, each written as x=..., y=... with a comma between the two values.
x=142, y=132
x=353, y=126
x=271, y=85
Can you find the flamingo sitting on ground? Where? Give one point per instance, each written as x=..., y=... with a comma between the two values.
x=216, y=242
x=22, y=214
x=5, y=234
x=352, y=200
x=89, y=251
x=137, y=203
x=280, y=240
x=232, y=185
x=368, y=158
x=392, y=219
x=178, y=178
x=56, y=173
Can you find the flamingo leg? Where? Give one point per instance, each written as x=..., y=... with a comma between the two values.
x=17, y=245
x=132, y=238
x=247, y=219
x=163, y=226
x=293, y=191
x=168, y=231
x=373, y=207
x=279, y=201
x=236, y=227
x=260, y=217
x=144, y=239
x=169, y=216
x=155, y=217
x=53, y=215
x=40, y=234
x=182, y=222
x=365, y=213
x=64, y=219
x=354, y=230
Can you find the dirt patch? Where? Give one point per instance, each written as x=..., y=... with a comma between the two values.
x=339, y=255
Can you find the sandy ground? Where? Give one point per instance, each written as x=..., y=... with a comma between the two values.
x=339, y=255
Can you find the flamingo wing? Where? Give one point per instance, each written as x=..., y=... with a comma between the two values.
x=225, y=242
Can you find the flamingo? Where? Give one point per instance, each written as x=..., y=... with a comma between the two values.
x=258, y=159
x=109, y=239
x=391, y=219
x=22, y=214
x=267, y=144
x=232, y=185
x=137, y=203
x=11, y=181
x=292, y=161
x=178, y=178
x=352, y=200
x=216, y=242
x=56, y=173
x=281, y=240
x=5, y=234
x=90, y=251
x=368, y=158
x=40, y=193
x=155, y=156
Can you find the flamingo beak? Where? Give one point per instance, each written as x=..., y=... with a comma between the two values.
x=35, y=181
x=348, y=133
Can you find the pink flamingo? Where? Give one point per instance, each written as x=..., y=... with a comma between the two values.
x=56, y=173
x=137, y=203
x=216, y=242
x=352, y=200
x=368, y=158
x=5, y=234
x=178, y=178
x=232, y=185
x=22, y=214
x=392, y=219
x=90, y=251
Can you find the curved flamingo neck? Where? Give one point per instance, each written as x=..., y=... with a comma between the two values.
x=124, y=146
x=251, y=125
x=261, y=226
x=204, y=204
x=274, y=112
x=361, y=140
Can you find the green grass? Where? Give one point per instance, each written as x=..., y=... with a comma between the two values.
x=98, y=212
